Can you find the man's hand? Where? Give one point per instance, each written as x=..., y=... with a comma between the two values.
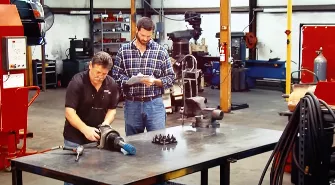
x=148, y=81
x=91, y=133
x=151, y=81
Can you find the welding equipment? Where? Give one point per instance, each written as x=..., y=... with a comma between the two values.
x=111, y=140
x=13, y=90
x=309, y=136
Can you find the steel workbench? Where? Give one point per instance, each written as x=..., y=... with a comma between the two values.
x=197, y=150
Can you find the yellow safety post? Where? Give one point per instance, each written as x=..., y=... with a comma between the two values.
x=29, y=70
x=133, y=18
x=288, y=47
x=225, y=67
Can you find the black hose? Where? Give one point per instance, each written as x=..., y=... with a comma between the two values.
x=316, y=135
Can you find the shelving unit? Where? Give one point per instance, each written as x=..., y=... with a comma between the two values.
x=110, y=32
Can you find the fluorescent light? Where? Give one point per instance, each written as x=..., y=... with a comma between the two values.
x=79, y=12
x=274, y=10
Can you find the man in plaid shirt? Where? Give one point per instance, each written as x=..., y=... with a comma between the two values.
x=144, y=107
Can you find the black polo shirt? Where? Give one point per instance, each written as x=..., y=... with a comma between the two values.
x=91, y=105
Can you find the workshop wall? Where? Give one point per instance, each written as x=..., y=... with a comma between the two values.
x=272, y=38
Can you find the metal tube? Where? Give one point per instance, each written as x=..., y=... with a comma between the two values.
x=43, y=62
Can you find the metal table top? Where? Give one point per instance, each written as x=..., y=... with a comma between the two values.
x=195, y=148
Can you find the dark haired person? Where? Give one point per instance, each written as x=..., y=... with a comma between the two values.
x=91, y=100
x=144, y=107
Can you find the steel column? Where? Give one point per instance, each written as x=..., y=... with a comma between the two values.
x=288, y=47
x=252, y=25
x=146, y=8
x=133, y=18
x=225, y=67
x=43, y=62
x=91, y=28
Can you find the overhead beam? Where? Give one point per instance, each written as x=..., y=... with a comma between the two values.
x=302, y=8
x=225, y=66
x=167, y=11
x=172, y=11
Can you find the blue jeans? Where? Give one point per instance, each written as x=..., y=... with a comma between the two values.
x=149, y=115
x=69, y=144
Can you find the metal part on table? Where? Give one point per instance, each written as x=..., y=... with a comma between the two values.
x=110, y=139
x=163, y=139
x=209, y=118
x=152, y=164
x=79, y=150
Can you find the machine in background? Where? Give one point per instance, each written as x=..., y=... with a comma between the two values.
x=181, y=51
x=77, y=60
x=13, y=90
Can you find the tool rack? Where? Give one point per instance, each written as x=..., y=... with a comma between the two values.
x=110, y=32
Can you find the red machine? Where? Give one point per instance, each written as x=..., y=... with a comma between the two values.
x=313, y=37
x=13, y=91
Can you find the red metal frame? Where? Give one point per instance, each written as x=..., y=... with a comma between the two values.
x=13, y=101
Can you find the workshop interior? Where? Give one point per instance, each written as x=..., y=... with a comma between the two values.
x=243, y=90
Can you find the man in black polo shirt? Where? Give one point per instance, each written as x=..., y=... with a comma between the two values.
x=91, y=99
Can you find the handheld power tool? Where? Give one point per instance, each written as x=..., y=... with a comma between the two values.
x=79, y=150
x=110, y=139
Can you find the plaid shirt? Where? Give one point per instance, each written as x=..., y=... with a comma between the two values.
x=154, y=61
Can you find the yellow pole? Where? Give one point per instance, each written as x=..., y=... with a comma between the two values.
x=29, y=71
x=225, y=67
x=133, y=18
x=288, y=47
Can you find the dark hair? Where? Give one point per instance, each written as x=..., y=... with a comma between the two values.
x=145, y=23
x=102, y=58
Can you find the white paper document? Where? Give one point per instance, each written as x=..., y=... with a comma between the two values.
x=137, y=79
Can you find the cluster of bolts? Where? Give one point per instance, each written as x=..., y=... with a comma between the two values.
x=163, y=140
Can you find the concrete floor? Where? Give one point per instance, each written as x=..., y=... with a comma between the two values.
x=46, y=120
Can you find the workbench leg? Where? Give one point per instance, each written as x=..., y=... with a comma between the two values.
x=204, y=177
x=16, y=176
x=225, y=173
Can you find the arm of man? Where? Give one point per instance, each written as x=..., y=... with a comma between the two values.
x=71, y=104
x=166, y=81
x=110, y=115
